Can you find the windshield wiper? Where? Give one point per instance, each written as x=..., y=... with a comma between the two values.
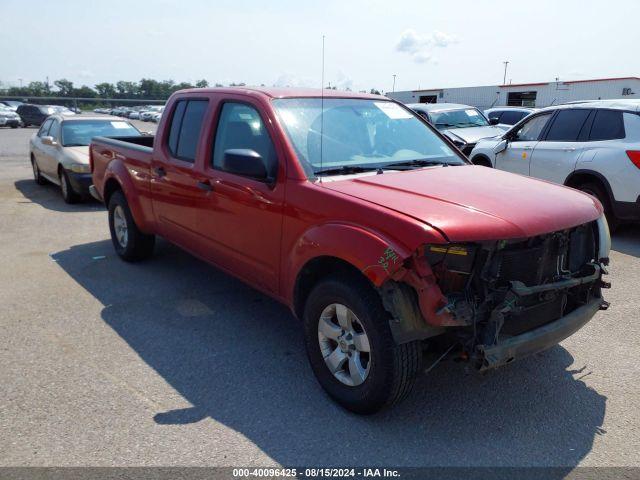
x=344, y=170
x=420, y=162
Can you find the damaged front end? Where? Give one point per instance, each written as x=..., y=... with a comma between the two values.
x=503, y=300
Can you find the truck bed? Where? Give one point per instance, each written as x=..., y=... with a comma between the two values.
x=126, y=153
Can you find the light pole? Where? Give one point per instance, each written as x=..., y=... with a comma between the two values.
x=20, y=82
x=504, y=79
x=393, y=88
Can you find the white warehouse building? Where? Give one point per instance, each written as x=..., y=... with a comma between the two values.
x=526, y=94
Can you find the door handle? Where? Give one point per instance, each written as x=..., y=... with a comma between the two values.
x=205, y=186
x=569, y=149
x=160, y=171
x=527, y=148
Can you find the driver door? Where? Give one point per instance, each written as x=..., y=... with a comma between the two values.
x=516, y=157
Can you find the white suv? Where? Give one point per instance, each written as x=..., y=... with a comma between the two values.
x=591, y=146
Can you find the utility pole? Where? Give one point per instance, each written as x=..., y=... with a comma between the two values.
x=20, y=82
x=504, y=79
x=393, y=89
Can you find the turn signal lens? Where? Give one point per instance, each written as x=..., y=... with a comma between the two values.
x=634, y=156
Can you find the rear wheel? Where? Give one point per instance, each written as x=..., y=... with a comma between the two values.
x=481, y=160
x=37, y=176
x=351, y=348
x=597, y=191
x=68, y=193
x=129, y=242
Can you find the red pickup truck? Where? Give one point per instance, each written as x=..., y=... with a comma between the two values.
x=368, y=223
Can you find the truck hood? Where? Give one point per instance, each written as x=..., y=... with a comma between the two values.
x=473, y=203
x=472, y=134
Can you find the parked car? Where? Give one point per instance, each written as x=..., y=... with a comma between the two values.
x=379, y=243
x=62, y=110
x=593, y=146
x=506, y=117
x=11, y=104
x=9, y=118
x=34, y=114
x=60, y=150
x=462, y=124
x=148, y=115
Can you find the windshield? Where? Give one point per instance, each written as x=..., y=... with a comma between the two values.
x=80, y=133
x=465, y=117
x=358, y=133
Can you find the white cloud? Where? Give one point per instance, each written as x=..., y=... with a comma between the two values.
x=291, y=80
x=420, y=47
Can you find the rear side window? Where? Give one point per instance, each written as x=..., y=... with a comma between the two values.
x=511, y=118
x=186, y=125
x=607, y=125
x=567, y=125
x=495, y=115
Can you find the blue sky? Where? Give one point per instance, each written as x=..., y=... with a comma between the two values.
x=425, y=43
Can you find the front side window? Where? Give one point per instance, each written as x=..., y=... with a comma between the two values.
x=186, y=125
x=54, y=131
x=359, y=133
x=567, y=125
x=532, y=129
x=495, y=115
x=463, y=118
x=44, y=129
x=241, y=127
x=77, y=133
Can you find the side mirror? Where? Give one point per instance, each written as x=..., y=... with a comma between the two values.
x=245, y=162
x=500, y=147
x=494, y=121
x=49, y=141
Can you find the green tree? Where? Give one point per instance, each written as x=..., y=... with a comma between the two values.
x=84, y=92
x=39, y=89
x=202, y=83
x=105, y=90
x=64, y=86
x=127, y=89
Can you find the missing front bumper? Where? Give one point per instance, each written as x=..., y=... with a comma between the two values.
x=534, y=341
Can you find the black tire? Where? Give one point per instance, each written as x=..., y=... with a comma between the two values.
x=37, y=176
x=138, y=246
x=393, y=368
x=69, y=195
x=597, y=191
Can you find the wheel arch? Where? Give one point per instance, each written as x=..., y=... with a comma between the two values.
x=582, y=176
x=316, y=269
x=482, y=159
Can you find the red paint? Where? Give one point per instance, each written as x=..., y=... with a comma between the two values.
x=266, y=235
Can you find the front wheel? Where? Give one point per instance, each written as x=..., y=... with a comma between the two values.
x=351, y=348
x=68, y=193
x=129, y=242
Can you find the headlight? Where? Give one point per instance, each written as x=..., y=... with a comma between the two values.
x=453, y=257
x=80, y=168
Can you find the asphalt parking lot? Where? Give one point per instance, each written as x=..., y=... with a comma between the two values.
x=171, y=362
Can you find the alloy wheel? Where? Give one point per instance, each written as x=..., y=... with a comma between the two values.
x=120, y=226
x=344, y=344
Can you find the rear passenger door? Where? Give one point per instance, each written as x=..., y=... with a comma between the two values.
x=555, y=156
x=176, y=196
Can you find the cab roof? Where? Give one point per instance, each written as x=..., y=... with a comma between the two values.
x=275, y=92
